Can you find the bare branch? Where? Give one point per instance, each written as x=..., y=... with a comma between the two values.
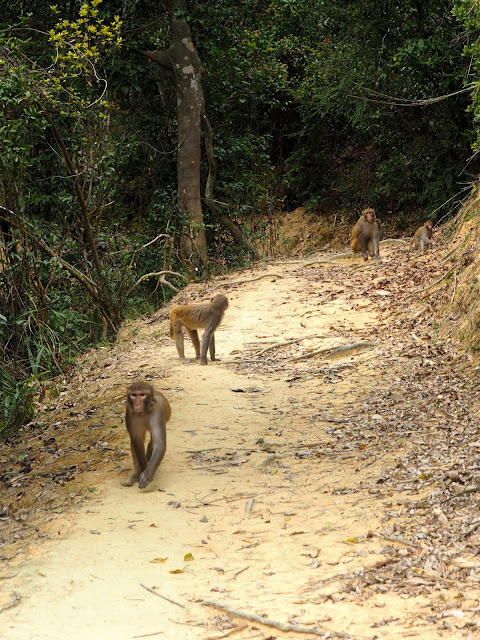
x=159, y=274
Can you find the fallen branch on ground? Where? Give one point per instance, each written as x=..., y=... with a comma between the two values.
x=281, y=626
x=309, y=445
x=331, y=351
x=179, y=604
x=230, y=284
x=400, y=540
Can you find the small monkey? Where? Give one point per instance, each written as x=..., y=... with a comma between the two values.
x=147, y=411
x=423, y=236
x=206, y=315
x=366, y=235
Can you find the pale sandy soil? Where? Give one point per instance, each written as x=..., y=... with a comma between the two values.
x=314, y=521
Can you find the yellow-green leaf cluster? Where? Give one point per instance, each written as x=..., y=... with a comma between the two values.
x=80, y=43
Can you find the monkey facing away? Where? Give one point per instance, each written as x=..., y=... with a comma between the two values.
x=366, y=235
x=208, y=316
x=423, y=236
x=148, y=411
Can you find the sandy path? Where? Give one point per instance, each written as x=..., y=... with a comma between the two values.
x=309, y=518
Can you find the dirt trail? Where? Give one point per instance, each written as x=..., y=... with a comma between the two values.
x=275, y=479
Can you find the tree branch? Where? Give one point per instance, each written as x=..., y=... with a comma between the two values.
x=162, y=280
x=159, y=57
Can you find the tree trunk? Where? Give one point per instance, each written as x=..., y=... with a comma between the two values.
x=182, y=60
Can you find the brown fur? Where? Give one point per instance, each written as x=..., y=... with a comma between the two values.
x=366, y=235
x=423, y=236
x=206, y=315
x=148, y=411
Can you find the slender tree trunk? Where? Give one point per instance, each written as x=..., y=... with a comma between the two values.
x=182, y=60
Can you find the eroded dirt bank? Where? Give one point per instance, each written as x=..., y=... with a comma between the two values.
x=311, y=492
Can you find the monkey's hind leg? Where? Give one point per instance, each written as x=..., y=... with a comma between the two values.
x=211, y=347
x=179, y=341
x=193, y=333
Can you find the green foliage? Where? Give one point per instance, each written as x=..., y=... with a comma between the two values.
x=16, y=403
x=467, y=12
x=342, y=93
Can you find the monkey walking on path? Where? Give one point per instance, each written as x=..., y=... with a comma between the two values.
x=208, y=316
x=147, y=411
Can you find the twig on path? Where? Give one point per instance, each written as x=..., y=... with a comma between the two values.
x=239, y=572
x=274, y=623
x=230, y=284
x=13, y=602
x=249, y=506
x=331, y=351
x=160, y=595
x=239, y=627
x=149, y=635
x=286, y=343
x=311, y=444
x=400, y=540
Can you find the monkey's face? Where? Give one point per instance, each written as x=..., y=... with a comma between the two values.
x=369, y=216
x=428, y=225
x=138, y=401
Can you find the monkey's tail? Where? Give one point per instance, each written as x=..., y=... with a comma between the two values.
x=171, y=331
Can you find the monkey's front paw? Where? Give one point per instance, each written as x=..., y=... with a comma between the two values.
x=203, y=361
x=131, y=482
